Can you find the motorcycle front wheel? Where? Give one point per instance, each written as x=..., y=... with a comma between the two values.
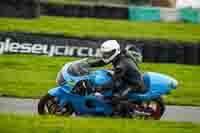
x=49, y=105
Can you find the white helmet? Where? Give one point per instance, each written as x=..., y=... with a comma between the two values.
x=109, y=50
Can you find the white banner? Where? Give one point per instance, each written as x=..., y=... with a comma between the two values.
x=10, y=46
x=187, y=3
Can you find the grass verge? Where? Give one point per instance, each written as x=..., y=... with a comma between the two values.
x=52, y=124
x=31, y=76
x=91, y=2
x=84, y=27
x=64, y=1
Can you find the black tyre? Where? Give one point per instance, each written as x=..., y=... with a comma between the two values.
x=153, y=109
x=49, y=105
x=157, y=108
x=161, y=103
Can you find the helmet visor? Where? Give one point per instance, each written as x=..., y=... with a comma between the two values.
x=107, y=55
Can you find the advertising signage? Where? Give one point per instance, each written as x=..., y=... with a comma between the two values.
x=8, y=45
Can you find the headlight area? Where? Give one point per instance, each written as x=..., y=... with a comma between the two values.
x=174, y=84
x=60, y=79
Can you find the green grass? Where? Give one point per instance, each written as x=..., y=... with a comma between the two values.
x=64, y=1
x=52, y=124
x=83, y=27
x=90, y=2
x=32, y=76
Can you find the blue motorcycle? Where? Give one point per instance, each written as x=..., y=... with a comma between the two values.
x=72, y=96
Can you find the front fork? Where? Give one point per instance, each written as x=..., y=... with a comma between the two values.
x=60, y=94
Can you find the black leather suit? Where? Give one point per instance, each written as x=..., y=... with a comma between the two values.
x=126, y=74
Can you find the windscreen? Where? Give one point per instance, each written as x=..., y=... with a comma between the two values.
x=79, y=68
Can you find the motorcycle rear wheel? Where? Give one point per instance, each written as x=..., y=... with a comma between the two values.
x=153, y=109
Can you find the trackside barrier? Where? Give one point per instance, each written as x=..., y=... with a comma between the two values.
x=34, y=8
x=143, y=14
x=189, y=15
x=191, y=54
x=163, y=14
x=59, y=45
x=20, y=8
x=88, y=11
x=180, y=54
x=169, y=14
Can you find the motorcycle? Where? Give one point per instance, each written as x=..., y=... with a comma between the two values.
x=72, y=97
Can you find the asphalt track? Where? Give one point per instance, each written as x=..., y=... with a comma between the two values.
x=29, y=106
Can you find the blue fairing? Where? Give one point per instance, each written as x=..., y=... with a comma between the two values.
x=79, y=102
x=100, y=77
x=63, y=93
x=60, y=90
x=157, y=84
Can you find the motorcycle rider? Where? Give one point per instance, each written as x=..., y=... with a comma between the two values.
x=127, y=76
x=126, y=70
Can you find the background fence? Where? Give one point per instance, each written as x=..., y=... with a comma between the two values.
x=164, y=14
x=20, y=8
x=132, y=13
x=84, y=11
x=34, y=8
